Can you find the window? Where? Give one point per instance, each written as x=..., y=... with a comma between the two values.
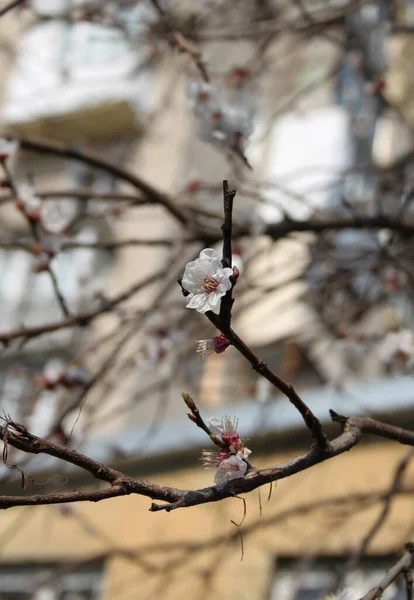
x=51, y=582
x=309, y=579
x=65, y=68
x=306, y=154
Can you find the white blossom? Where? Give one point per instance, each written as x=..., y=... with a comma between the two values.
x=26, y=195
x=224, y=124
x=398, y=345
x=231, y=461
x=225, y=429
x=216, y=426
x=56, y=215
x=203, y=98
x=231, y=468
x=206, y=281
x=226, y=127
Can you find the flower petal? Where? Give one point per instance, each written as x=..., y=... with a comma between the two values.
x=210, y=255
x=198, y=302
x=216, y=426
x=229, y=469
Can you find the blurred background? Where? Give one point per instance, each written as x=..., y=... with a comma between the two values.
x=119, y=121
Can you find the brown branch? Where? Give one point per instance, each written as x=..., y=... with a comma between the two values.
x=17, y=436
x=257, y=478
x=354, y=428
x=408, y=575
x=85, y=318
x=196, y=418
x=279, y=230
x=368, y=425
x=388, y=498
x=227, y=228
x=311, y=421
x=95, y=160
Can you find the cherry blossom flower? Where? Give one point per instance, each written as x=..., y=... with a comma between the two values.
x=230, y=468
x=7, y=147
x=203, y=97
x=214, y=345
x=224, y=429
x=398, y=346
x=224, y=124
x=206, y=281
x=231, y=460
x=226, y=127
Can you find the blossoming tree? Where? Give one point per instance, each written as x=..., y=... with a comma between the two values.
x=358, y=246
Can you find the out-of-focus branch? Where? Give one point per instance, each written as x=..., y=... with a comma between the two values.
x=10, y=6
x=36, y=237
x=387, y=501
x=85, y=318
x=406, y=563
x=181, y=42
x=94, y=159
x=279, y=230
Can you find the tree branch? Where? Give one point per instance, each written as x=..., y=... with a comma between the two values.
x=95, y=160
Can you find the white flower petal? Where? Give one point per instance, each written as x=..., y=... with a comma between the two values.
x=208, y=265
x=229, y=469
x=198, y=302
x=210, y=255
x=215, y=307
x=224, y=277
x=216, y=426
x=244, y=453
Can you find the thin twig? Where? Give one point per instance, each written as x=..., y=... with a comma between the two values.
x=227, y=229
x=196, y=418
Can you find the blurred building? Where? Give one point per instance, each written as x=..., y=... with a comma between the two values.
x=93, y=85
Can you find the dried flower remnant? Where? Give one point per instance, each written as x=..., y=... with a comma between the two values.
x=215, y=345
x=231, y=460
x=206, y=281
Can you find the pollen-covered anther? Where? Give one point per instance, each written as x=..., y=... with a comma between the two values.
x=210, y=284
